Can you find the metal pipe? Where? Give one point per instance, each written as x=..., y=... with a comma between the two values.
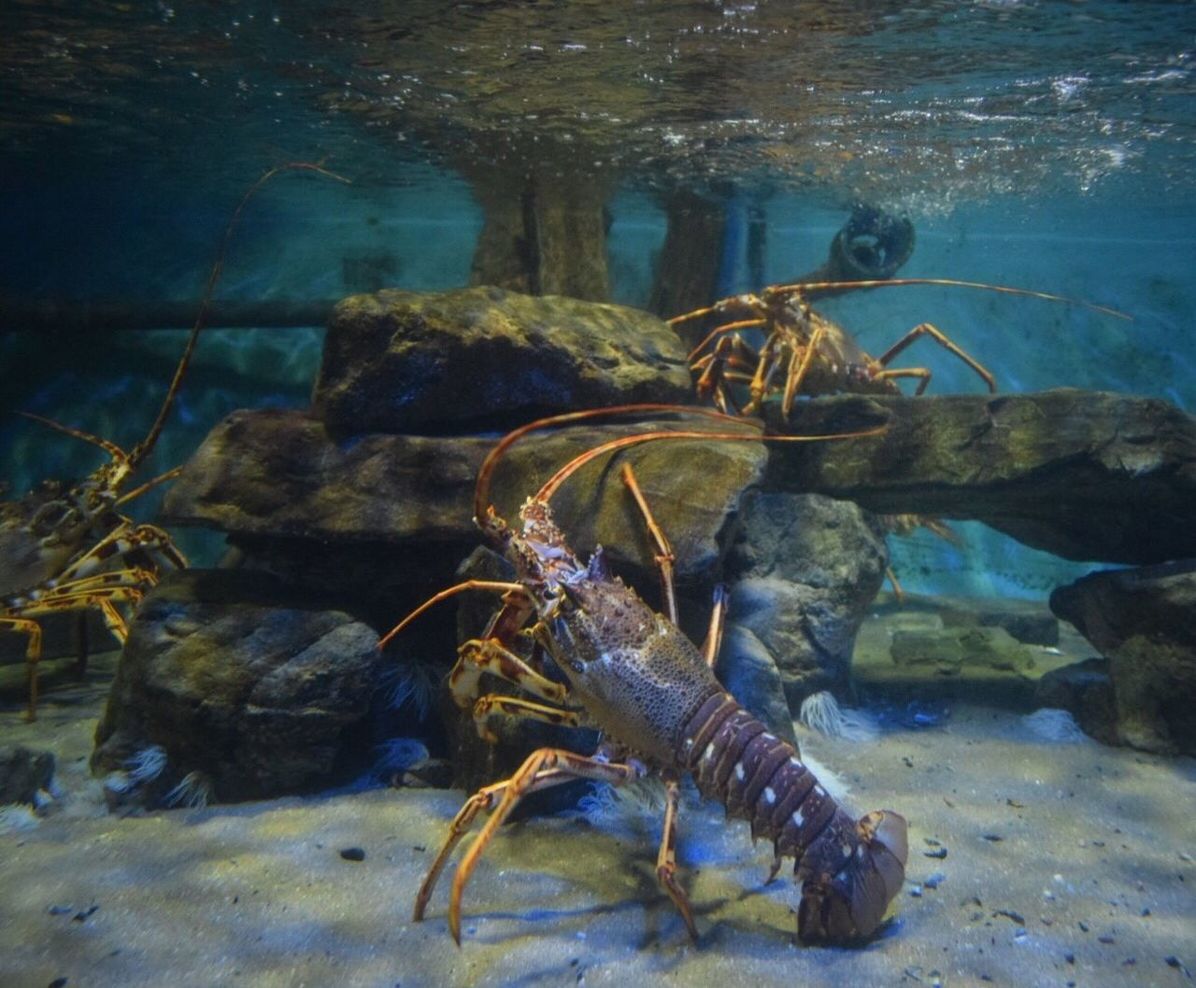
x=80, y=318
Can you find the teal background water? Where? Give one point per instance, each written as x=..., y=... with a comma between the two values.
x=1046, y=146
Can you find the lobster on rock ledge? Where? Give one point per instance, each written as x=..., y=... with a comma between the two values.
x=630, y=672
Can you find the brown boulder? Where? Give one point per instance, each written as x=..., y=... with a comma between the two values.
x=463, y=360
x=1144, y=621
x=242, y=685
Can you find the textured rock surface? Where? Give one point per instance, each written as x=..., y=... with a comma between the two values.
x=1144, y=622
x=279, y=474
x=1085, y=690
x=236, y=679
x=749, y=672
x=808, y=567
x=23, y=772
x=405, y=362
x=951, y=648
x=1027, y=621
x=1085, y=475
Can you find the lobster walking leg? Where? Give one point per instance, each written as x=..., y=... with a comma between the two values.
x=483, y=799
x=664, y=559
x=936, y=334
x=33, y=654
x=718, y=620
x=494, y=707
x=542, y=769
x=664, y=551
x=798, y=371
x=98, y=590
x=666, y=858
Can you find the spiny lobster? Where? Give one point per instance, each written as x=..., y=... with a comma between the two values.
x=630, y=672
x=69, y=547
x=817, y=355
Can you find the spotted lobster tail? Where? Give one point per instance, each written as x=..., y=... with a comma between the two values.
x=850, y=870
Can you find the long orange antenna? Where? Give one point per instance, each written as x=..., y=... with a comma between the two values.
x=444, y=595
x=821, y=286
x=481, y=501
x=142, y=449
x=623, y=442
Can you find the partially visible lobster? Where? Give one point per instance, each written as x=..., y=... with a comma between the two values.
x=816, y=355
x=69, y=547
x=630, y=672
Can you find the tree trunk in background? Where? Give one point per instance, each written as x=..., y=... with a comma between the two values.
x=542, y=235
x=687, y=272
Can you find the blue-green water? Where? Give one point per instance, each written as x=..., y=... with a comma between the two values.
x=1044, y=145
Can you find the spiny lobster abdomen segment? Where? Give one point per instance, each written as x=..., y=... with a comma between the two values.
x=850, y=870
x=759, y=777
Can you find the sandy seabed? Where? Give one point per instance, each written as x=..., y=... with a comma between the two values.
x=1065, y=864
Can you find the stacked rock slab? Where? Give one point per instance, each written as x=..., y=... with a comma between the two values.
x=1087, y=475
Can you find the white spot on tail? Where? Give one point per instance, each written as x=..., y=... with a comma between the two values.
x=770, y=796
x=739, y=773
x=798, y=819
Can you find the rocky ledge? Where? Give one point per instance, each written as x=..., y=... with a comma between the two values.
x=1086, y=475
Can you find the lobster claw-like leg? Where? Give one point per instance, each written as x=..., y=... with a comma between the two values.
x=543, y=769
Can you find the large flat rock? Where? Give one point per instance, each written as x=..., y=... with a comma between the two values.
x=281, y=475
x=1085, y=475
x=256, y=690
x=409, y=361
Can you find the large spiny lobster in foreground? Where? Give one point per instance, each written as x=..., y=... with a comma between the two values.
x=69, y=547
x=630, y=672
